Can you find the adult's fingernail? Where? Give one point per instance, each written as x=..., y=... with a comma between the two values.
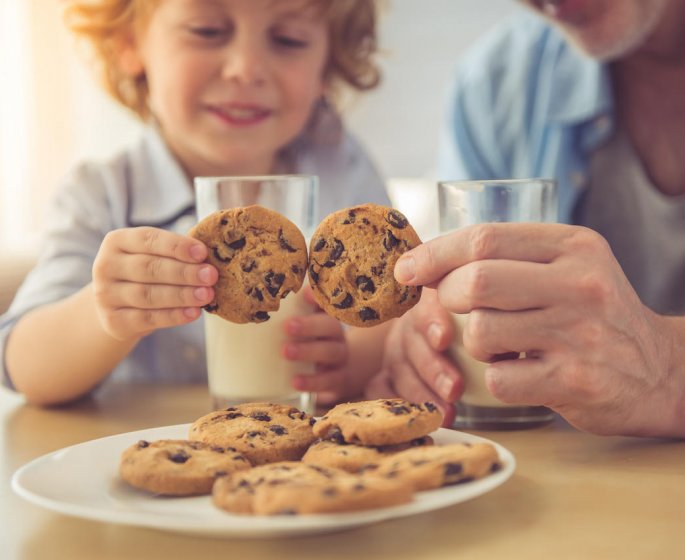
x=434, y=335
x=405, y=269
x=198, y=251
x=444, y=386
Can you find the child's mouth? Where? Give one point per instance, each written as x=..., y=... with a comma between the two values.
x=240, y=115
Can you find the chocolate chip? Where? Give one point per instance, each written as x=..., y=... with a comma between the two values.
x=260, y=317
x=398, y=410
x=368, y=314
x=223, y=221
x=261, y=416
x=313, y=274
x=329, y=492
x=390, y=241
x=320, y=244
x=257, y=294
x=284, y=293
x=351, y=217
x=255, y=433
x=211, y=307
x=219, y=257
x=337, y=250
x=278, y=430
x=249, y=267
x=233, y=415
x=365, y=284
x=346, y=303
x=453, y=469
x=273, y=282
x=142, y=444
x=237, y=244
x=180, y=457
x=395, y=219
x=378, y=270
x=430, y=407
x=405, y=294
x=283, y=242
x=295, y=269
x=219, y=474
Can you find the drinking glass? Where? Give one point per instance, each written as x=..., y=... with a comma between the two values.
x=463, y=203
x=244, y=361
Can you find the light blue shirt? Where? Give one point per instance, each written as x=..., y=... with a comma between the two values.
x=146, y=186
x=526, y=104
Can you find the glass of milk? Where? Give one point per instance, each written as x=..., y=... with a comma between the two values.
x=462, y=203
x=244, y=361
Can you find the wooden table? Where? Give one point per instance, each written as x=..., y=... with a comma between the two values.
x=573, y=496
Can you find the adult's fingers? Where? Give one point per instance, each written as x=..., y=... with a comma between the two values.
x=435, y=369
x=379, y=387
x=431, y=320
x=503, y=284
x=432, y=260
x=155, y=241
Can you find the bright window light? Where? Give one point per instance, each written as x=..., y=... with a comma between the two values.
x=14, y=121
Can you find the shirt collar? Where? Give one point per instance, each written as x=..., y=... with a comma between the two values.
x=160, y=190
x=581, y=90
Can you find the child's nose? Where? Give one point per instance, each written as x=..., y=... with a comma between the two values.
x=246, y=62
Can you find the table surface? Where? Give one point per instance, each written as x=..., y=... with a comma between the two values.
x=573, y=495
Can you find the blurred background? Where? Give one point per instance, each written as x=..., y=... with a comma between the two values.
x=52, y=113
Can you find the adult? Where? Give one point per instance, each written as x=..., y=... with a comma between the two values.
x=591, y=95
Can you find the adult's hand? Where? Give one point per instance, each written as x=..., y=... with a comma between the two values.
x=594, y=352
x=414, y=364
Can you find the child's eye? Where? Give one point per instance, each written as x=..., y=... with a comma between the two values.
x=209, y=33
x=289, y=42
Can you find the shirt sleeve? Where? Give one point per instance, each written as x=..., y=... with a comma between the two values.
x=75, y=224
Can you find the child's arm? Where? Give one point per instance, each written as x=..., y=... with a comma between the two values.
x=143, y=279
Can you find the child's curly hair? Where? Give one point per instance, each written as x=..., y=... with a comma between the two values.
x=106, y=23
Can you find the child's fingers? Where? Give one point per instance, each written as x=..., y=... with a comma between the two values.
x=155, y=241
x=308, y=294
x=151, y=269
x=331, y=381
x=315, y=325
x=124, y=324
x=155, y=296
x=321, y=352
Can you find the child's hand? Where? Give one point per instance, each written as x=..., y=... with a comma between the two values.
x=146, y=278
x=320, y=339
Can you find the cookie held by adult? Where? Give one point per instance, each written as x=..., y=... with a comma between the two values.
x=352, y=256
x=261, y=257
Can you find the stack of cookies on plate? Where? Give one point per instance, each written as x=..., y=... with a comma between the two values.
x=268, y=459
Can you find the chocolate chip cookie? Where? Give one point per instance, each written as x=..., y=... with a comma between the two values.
x=441, y=465
x=261, y=257
x=379, y=422
x=355, y=458
x=292, y=488
x=263, y=432
x=352, y=255
x=178, y=467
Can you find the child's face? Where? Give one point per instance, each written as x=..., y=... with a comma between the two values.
x=233, y=81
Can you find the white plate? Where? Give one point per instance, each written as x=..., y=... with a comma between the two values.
x=83, y=481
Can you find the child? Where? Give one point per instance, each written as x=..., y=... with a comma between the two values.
x=228, y=87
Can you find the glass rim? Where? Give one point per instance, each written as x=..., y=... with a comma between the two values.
x=200, y=180
x=494, y=182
